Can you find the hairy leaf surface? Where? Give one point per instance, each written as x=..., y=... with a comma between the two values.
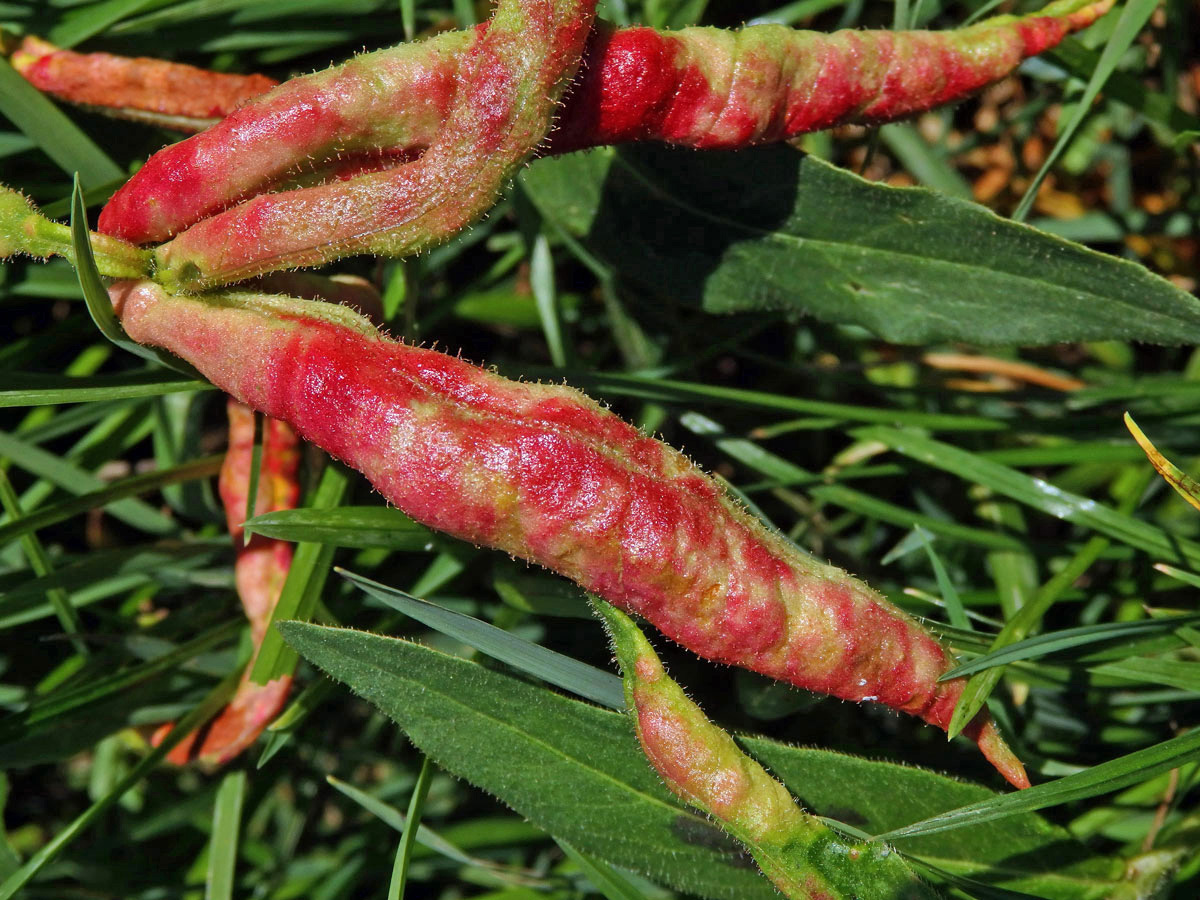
x=576, y=770
x=773, y=229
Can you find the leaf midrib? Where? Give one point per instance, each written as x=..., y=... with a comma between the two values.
x=910, y=257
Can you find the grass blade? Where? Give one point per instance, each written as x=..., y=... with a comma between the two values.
x=570, y=674
x=412, y=822
x=1105, y=778
x=1070, y=638
x=980, y=687
x=223, y=846
x=130, y=487
x=1134, y=17
x=1038, y=494
x=306, y=578
x=46, y=125
x=347, y=526
x=1186, y=486
x=39, y=561
x=95, y=294
x=49, y=390
x=604, y=878
x=200, y=714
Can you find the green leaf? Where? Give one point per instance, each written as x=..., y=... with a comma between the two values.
x=579, y=678
x=1134, y=16
x=346, y=526
x=64, y=474
x=305, y=579
x=576, y=771
x=1173, y=672
x=1104, y=778
x=32, y=112
x=47, y=390
x=771, y=229
x=606, y=879
x=570, y=768
x=1068, y=638
x=129, y=487
x=1038, y=494
x=39, y=561
x=101, y=574
x=79, y=25
x=223, y=842
x=53, y=708
x=95, y=294
x=1081, y=60
x=412, y=821
x=399, y=821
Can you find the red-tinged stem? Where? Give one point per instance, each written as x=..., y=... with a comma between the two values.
x=546, y=474
x=699, y=87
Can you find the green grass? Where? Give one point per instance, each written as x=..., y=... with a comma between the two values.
x=1023, y=521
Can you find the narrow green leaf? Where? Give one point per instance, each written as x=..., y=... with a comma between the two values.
x=1068, y=639
x=48, y=851
x=81, y=24
x=44, y=123
x=102, y=573
x=129, y=487
x=223, y=843
x=412, y=822
x=930, y=167
x=1186, y=486
x=1134, y=16
x=346, y=526
x=541, y=279
x=1039, y=494
x=39, y=561
x=954, y=605
x=563, y=671
x=408, y=17
x=656, y=386
x=255, y=471
x=1104, y=778
x=592, y=786
x=980, y=687
x=1179, y=574
x=48, y=390
x=47, y=709
x=901, y=262
x=64, y=474
x=399, y=821
x=95, y=294
x=305, y=580
x=1157, y=106
x=1175, y=673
